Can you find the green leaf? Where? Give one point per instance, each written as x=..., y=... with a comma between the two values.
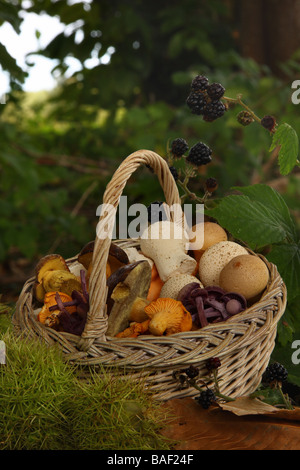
x=286, y=256
x=287, y=139
x=259, y=217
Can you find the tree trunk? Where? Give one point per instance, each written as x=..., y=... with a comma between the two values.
x=269, y=31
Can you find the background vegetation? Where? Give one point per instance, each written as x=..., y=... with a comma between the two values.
x=59, y=149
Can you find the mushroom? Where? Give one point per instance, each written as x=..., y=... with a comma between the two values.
x=134, y=330
x=127, y=296
x=49, y=314
x=168, y=316
x=246, y=274
x=59, y=280
x=215, y=258
x=204, y=235
x=210, y=304
x=52, y=262
x=174, y=284
x=166, y=244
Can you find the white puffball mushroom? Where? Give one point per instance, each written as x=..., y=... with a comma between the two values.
x=166, y=244
x=215, y=258
x=174, y=284
x=246, y=274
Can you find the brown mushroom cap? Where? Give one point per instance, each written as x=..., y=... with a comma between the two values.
x=133, y=283
x=51, y=262
x=246, y=274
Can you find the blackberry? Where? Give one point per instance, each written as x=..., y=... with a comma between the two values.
x=199, y=154
x=156, y=212
x=197, y=102
x=192, y=372
x=268, y=122
x=214, y=110
x=179, y=147
x=206, y=398
x=215, y=91
x=200, y=82
x=174, y=172
x=211, y=185
x=275, y=373
x=244, y=118
x=213, y=363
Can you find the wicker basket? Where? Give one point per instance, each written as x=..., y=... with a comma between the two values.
x=243, y=343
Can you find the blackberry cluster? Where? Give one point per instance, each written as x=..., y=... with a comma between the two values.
x=178, y=147
x=205, y=99
x=192, y=372
x=156, y=213
x=206, y=398
x=275, y=373
x=199, y=154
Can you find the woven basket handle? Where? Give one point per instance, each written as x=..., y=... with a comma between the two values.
x=96, y=324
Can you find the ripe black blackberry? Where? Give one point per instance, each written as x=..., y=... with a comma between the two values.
x=178, y=147
x=174, y=172
x=199, y=154
x=214, y=110
x=206, y=398
x=275, y=372
x=197, y=102
x=192, y=372
x=200, y=82
x=215, y=91
x=156, y=212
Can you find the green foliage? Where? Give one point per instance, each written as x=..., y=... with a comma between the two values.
x=46, y=404
x=286, y=137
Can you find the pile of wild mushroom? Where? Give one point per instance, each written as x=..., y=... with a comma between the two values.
x=210, y=304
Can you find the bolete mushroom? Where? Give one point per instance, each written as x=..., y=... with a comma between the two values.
x=127, y=296
x=166, y=244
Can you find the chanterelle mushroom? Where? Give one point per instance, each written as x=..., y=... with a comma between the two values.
x=168, y=316
x=127, y=287
x=166, y=244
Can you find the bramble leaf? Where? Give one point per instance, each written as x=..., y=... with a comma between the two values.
x=287, y=139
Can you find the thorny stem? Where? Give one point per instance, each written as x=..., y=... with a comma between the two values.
x=284, y=397
x=238, y=100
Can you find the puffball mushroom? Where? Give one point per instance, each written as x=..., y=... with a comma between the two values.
x=166, y=244
x=246, y=274
x=215, y=258
x=204, y=235
x=174, y=284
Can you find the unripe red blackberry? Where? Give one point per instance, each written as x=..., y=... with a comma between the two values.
x=179, y=147
x=268, y=122
x=215, y=91
x=214, y=110
x=244, y=118
x=199, y=154
x=200, y=82
x=211, y=185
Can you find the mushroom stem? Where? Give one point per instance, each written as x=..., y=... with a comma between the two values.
x=137, y=312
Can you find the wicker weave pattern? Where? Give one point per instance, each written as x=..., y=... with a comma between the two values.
x=243, y=343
